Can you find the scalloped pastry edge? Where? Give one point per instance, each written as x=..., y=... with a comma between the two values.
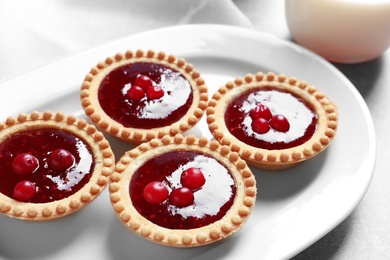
x=104, y=165
x=92, y=108
x=326, y=110
x=229, y=224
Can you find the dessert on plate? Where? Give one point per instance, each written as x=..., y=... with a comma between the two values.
x=272, y=121
x=182, y=191
x=140, y=95
x=51, y=165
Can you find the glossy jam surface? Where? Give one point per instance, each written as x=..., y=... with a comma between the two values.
x=50, y=183
x=145, y=113
x=300, y=116
x=211, y=198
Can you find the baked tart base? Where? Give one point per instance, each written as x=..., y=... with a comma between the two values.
x=144, y=131
x=47, y=123
x=278, y=158
x=229, y=223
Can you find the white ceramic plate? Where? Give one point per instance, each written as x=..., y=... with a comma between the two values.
x=294, y=208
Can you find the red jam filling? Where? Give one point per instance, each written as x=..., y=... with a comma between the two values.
x=271, y=119
x=44, y=165
x=145, y=95
x=182, y=190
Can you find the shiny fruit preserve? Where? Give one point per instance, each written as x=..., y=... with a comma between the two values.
x=270, y=118
x=45, y=165
x=182, y=190
x=145, y=95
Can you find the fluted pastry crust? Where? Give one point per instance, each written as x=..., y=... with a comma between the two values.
x=104, y=165
x=93, y=110
x=233, y=220
x=273, y=159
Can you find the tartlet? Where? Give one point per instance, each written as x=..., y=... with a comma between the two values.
x=52, y=165
x=205, y=211
x=140, y=95
x=272, y=121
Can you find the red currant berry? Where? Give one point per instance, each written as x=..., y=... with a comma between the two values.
x=279, y=123
x=261, y=111
x=192, y=178
x=155, y=192
x=181, y=197
x=24, y=191
x=135, y=93
x=24, y=163
x=143, y=81
x=260, y=125
x=155, y=92
x=60, y=159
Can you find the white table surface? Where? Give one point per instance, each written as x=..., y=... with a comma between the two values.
x=36, y=33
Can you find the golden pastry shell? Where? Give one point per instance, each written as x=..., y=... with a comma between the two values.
x=273, y=159
x=92, y=108
x=104, y=165
x=230, y=223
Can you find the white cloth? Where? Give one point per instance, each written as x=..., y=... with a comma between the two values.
x=34, y=33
